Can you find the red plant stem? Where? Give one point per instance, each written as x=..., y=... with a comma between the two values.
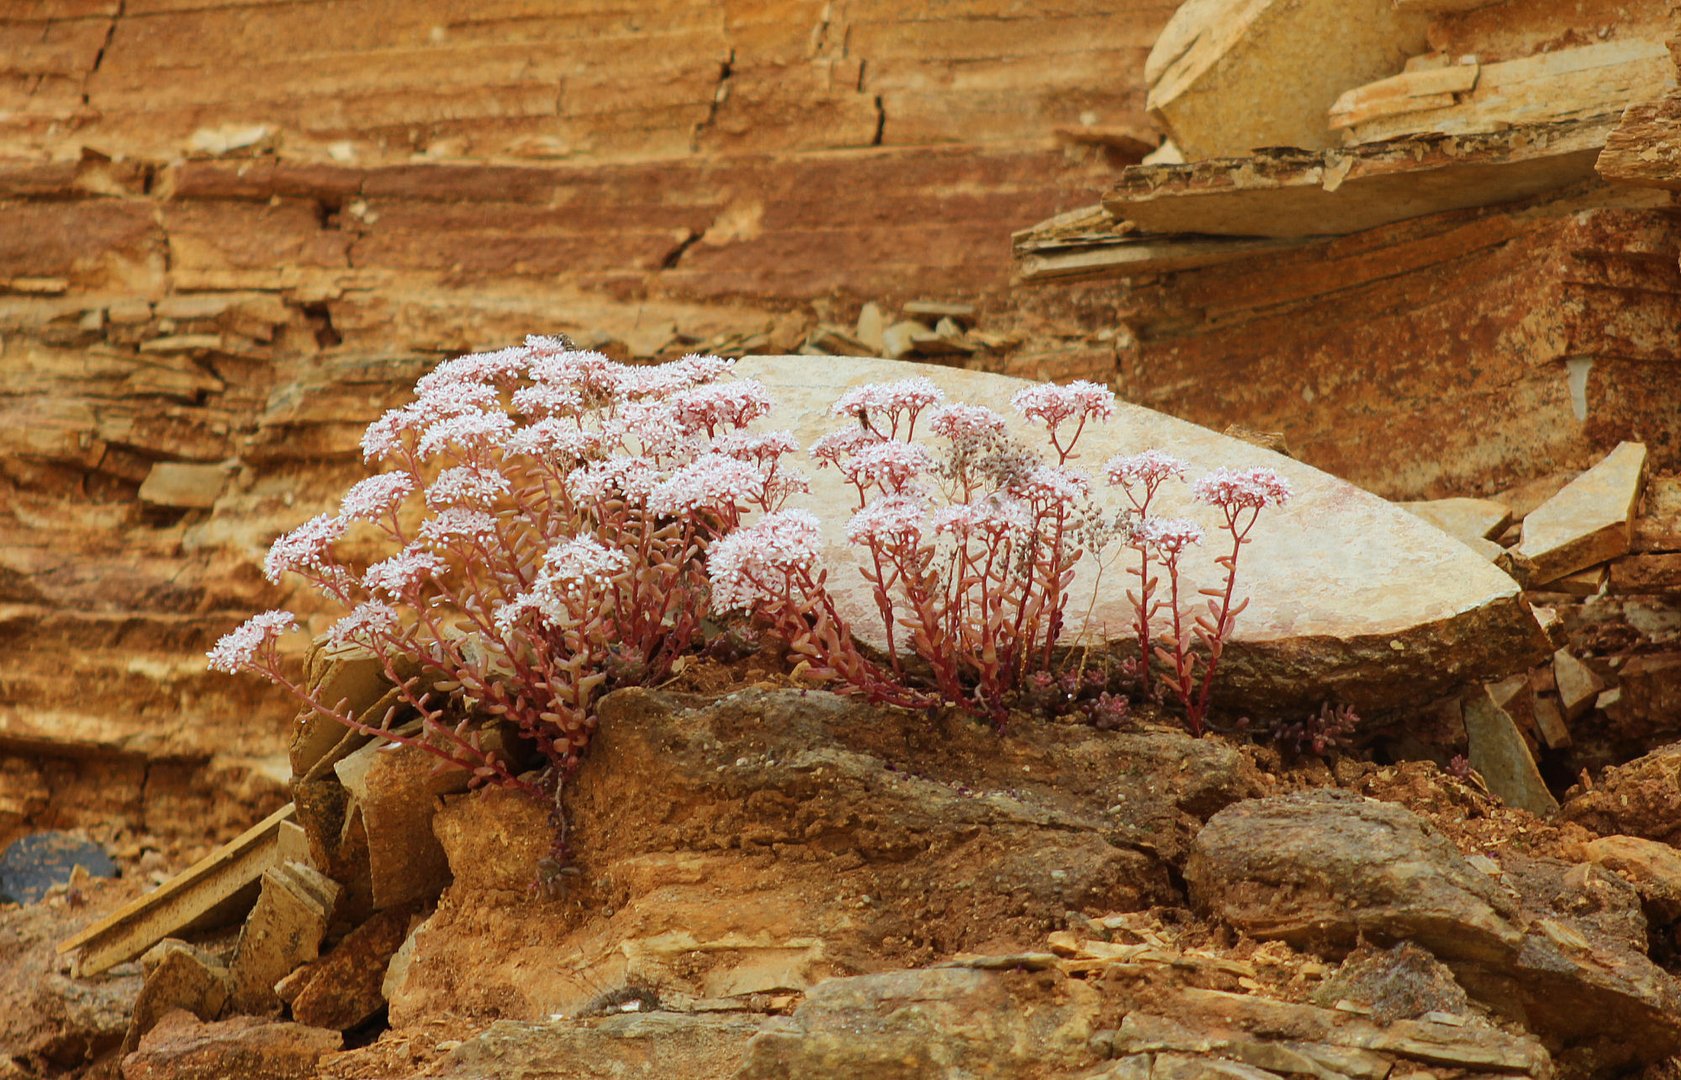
x=1224, y=617
x=1184, y=661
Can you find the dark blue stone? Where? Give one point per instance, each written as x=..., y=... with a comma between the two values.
x=35, y=863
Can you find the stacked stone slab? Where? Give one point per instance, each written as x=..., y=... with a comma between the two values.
x=1455, y=274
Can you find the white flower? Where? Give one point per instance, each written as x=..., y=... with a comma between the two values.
x=376, y=496
x=721, y=405
x=500, y=366
x=307, y=547
x=1051, y=404
x=1167, y=537
x=1253, y=488
x=556, y=439
x=548, y=399
x=568, y=569
x=1149, y=468
x=967, y=425
x=1052, y=484
x=403, y=571
x=632, y=477
x=993, y=518
x=888, y=464
x=889, y=400
x=748, y=446
x=457, y=523
x=465, y=485
x=469, y=430
x=838, y=446
x=711, y=480
x=759, y=563
x=239, y=647
x=894, y=519
x=361, y=626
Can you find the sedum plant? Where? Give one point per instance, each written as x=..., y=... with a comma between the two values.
x=547, y=515
x=969, y=551
x=553, y=524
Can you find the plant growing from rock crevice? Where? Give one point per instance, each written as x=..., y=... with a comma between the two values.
x=547, y=514
x=969, y=552
x=554, y=524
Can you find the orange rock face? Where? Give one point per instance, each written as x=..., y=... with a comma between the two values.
x=230, y=234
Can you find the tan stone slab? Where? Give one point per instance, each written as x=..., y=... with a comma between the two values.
x=1467, y=519
x=1227, y=76
x=1549, y=722
x=1409, y=92
x=1582, y=583
x=1522, y=499
x=1498, y=751
x=395, y=791
x=1548, y=87
x=1285, y=193
x=1578, y=685
x=218, y=879
x=1351, y=598
x=178, y=484
x=1590, y=520
x=284, y=930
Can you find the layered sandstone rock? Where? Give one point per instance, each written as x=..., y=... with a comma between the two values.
x=230, y=234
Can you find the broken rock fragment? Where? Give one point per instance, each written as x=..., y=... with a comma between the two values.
x=284, y=930
x=182, y=1047
x=1590, y=520
x=1227, y=76
x=1561, y=947
x=178, y=976
x=1499, y=752
x=1327, y=868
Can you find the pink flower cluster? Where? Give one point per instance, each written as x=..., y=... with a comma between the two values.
x=545, y=508
x=557, y=524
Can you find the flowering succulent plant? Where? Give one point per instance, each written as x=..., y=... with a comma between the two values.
x=556, y=524
x=969, y=552
x=547, y=513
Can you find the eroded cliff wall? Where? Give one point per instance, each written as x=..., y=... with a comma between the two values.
x=231, y=233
